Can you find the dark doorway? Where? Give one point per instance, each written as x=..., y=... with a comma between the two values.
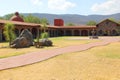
x=68, y=33
x=76, y=33
x=34, y=32
x=16, y=32
x=84, y=33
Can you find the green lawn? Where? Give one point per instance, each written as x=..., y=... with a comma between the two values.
x=58, y=42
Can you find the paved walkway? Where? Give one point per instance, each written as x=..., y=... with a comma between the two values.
x=34, y=57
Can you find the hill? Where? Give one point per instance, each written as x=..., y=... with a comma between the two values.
x=74, y=18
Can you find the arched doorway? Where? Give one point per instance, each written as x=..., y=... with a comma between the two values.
x=34, y=32
x=76, y=33
x=60, y=33
x=114, y=33
x=100, y=32
x=16, y=32
x=84, y=32
x=68, y=33
x=107, y=33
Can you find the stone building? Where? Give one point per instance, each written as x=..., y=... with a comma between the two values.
x=106, y=27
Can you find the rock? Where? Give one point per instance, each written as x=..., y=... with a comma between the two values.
x=93, y=37
x=24, y=40
x=46, y=42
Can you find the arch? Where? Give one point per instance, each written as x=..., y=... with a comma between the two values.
x=16, y=32
x=84, y=32
x=100, y=32
x=76, y=33
x=114, y=33
x=60, y=33
x=50, y=32
x=68, y=32
x=107, y=33
x=34, y=32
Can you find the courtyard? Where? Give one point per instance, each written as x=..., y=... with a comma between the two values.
x=95, y=63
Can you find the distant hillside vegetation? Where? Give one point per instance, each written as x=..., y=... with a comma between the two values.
x=74, y=18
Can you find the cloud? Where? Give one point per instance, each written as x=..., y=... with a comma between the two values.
x=37, y=2
x=60, y=4
x=108, y=7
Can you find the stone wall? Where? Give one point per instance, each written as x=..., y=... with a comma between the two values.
x=108, y=28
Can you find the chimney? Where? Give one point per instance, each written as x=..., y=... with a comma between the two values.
x=58, y=22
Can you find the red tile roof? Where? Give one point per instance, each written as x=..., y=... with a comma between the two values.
x=108, y=20
x=73, y=27
x=49, y=26
x=19, y=23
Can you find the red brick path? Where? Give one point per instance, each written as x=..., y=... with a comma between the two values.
x=34, y=57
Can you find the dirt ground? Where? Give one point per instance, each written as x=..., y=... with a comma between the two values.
x=85, y=65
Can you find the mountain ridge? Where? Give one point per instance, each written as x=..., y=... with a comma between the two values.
x=74, y=18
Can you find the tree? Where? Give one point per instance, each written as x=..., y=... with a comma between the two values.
x=8, y=16
x=112, y=19
x=119, y=22
x=44, y=23
x=9, y=32
x=32, y=19
x=91, y=23
x=1, y=18
x=70, y=24
x=43, y=26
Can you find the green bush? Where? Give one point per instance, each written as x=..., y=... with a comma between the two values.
x=45, y=35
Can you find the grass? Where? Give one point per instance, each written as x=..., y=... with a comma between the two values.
x=92, y=64
x=111, y=51
x=57, y=42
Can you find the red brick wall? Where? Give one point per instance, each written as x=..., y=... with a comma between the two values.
x=58, y=22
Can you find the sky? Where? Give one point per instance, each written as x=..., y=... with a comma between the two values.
x=81, y=7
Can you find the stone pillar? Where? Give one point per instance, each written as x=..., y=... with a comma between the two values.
x=72, y=32
x=0, y=35
x=52, y=33
x=88, y=32
x=64, y=33
x=19, y=31
x=80, y=32
x=38, y=33
x=56, y=33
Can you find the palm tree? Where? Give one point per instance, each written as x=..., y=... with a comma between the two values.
x=9, y=32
